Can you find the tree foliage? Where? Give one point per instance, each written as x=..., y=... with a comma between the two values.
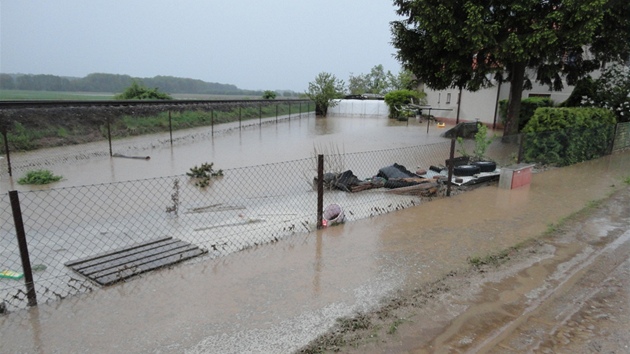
x=611, y=90
x=100, y=82
x=269, y=95
x=379, y=82
x=465, y=43
x=324, y=91
x=139, y=92
x=398, y=98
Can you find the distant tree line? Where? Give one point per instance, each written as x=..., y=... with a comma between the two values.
x=99, y=82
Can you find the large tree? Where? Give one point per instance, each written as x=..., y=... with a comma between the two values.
x=465, y=43
x=324, y=91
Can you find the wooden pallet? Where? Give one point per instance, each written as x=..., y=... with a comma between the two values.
x=120, y=264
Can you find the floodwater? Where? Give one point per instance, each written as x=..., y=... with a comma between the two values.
x=79, y=217
x=227, y=147
x=278, y=297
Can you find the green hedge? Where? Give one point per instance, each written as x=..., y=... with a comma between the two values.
x=399, y=98
x=564, y=136
x=528, y=107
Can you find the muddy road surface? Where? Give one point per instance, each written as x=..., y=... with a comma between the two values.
x=566, y=292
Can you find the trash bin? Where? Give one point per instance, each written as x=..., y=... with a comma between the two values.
x=333, y=214
x=515, y=176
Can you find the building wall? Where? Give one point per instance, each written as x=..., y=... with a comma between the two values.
x=481, y=105
x=352, y=108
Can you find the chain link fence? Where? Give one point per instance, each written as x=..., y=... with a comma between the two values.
x=241, y=209
x=84, y=133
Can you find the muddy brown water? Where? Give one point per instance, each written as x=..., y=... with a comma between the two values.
x=226, y=146
x=278, y=297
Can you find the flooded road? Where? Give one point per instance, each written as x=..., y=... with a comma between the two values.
x=227, y=147
x=278, y=297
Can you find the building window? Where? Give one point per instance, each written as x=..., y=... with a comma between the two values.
x=448, y=98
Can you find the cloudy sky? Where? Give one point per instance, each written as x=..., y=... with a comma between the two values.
x=253, y=44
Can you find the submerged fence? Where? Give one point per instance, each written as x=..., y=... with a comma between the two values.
x=61, y=123
x=44, y=234
x=243, y=208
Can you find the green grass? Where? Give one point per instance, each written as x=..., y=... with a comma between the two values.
x=39, y=177
x=26, y=138
x=14, y=95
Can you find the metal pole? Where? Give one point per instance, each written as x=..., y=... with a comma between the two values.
x=289, y=111
x=459, y=104
x=212, y=120
x=320, y=190
x=260, y=114
x=21, y=237
x=450, y=168
x=496, y=107
x=109, y=137
x=521, y=142
x=239, y=117
x=428, y=119
x=170, y=127
x=276, y=113
x=6, y=149
x=300, y=109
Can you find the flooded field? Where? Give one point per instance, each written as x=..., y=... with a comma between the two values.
x=265, y=194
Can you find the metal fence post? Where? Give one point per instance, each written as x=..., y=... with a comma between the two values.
x=21, y=237
x=109, y=136
x=289, y=111
x=260, y=114
x=320, y=190
x=6, y=149
x=450, y=168
x=521, y=143
x=212, y=120
x=239, y=117
x=276, y=113
x=170, y=127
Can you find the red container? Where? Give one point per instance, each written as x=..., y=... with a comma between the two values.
x=515, y=176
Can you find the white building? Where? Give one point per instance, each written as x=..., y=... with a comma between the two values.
x=482, y=105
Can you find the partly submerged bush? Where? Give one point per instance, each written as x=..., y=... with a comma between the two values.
x=39, y=177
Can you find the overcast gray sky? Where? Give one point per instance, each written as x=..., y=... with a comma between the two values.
x=253, y=44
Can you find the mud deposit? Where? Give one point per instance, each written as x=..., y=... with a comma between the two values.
x=564, y=292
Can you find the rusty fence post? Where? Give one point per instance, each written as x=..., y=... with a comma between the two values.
x=7, y=153
x=21, y=237
x=320, y=190
x=170, y=127
x=450, y=168
x=521, y=143
x=109, y=136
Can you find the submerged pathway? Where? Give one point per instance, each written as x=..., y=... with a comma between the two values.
x=277, y=298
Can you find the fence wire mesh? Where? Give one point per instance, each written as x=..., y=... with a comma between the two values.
x=243, y=208
x=70, y=127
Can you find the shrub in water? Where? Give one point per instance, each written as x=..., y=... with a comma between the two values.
x=39, y=177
